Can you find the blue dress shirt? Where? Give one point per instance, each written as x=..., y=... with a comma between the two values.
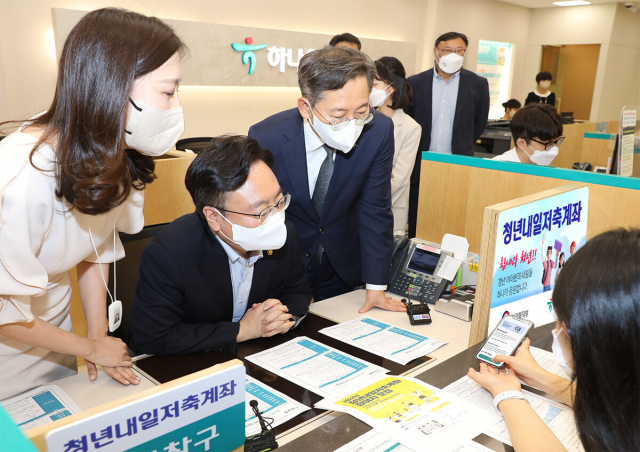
x=241, y=277
x=443, y=110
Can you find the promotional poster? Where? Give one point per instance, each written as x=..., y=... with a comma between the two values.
x=534, y=243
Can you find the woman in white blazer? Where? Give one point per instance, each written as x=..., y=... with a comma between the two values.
x=70, y=179
x=391, y=93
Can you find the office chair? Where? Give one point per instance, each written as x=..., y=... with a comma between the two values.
x=194, y=144
x=127, y=274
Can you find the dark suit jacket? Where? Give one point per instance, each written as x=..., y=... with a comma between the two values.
x=184, y=298
x=469, y=121
x=356, y=227
x=472, y=110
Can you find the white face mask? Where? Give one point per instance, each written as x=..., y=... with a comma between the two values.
x=378, y=96
x=270, y=235
x=451, y=63
x=152, y=131
x=544, y=84
x=543, y=158
x=341, y=140
x=558, y=355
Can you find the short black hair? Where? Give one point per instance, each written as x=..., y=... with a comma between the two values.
x=391, y=71
x=512, y=103
x=345, y=37
x=536, y=121
x=222, y=167
x=544, y=75
x=452, y=35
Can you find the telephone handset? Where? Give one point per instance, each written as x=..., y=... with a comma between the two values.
x=414, y=271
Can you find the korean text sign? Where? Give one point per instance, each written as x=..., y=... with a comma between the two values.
x=533, y=244
x=206, y=414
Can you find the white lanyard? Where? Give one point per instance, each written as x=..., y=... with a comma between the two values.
x=115, y=308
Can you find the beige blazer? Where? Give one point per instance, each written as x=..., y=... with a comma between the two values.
x=406, y=132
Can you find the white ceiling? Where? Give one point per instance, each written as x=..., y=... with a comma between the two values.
x=549, y=3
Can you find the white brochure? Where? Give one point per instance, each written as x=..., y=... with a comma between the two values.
x=413, y=413
x=376, y=441
x=558, y=417
x=546, y=360
x=40, y=406
x=390, y=342
x=315, y=366
x=273, y=404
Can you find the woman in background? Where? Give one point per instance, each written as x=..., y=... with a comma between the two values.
x=70, y=179
x=542, y=95
x=596, y=342
x=391, y=93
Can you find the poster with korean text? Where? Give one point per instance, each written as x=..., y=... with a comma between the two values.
x=494, y=64
x=533, y=244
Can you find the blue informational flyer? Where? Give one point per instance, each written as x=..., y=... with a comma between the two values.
x=39, y=406
x=382, y=339
x=315, y=366
x=274, y=405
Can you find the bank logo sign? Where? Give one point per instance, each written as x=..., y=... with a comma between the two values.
x=281, y=57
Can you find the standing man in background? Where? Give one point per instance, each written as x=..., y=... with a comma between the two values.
x=452, y=106
x=346, y=40
x=335, y=158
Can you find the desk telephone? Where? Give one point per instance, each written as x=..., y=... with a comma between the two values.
x=414, y=270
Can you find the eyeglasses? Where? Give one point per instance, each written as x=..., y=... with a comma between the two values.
x=341, y=123
x=548, y=145
x=280, y=205
x=448, y=51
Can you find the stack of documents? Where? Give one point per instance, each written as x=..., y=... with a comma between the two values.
x=414, y=414
x=390, y=342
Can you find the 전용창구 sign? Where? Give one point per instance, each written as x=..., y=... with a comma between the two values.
x=205, y=414
x=533, y=243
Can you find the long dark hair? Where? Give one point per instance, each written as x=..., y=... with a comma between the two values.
x=598, y=297
x=391, y=70
x=105, y=52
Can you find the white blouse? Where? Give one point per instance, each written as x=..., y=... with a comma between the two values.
x=41, y=239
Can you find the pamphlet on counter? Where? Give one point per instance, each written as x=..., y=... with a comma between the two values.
x=315, y=366
x=274, y=405
x=390, y=342
x=40, y=406
x=558, y=417
x=413, y=413
x=376, y=441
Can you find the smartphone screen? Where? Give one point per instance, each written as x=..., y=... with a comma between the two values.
x=504, y=340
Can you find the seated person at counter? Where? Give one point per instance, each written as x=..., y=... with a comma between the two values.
x=229, y=272
x=596, y=341
x=510, y=108
x=537, y=132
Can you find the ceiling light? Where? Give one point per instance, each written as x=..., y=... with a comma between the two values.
x=572, y=3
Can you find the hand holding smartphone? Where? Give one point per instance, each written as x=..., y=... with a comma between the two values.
x=504, y=339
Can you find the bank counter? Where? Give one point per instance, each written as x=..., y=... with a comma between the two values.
x=454, y=193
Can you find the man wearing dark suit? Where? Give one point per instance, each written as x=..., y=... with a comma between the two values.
x=231, y=271
x=452, y=106
x=335, y=158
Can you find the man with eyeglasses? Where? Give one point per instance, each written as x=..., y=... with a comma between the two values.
x=452, y=106
x=335, y=158
x=229, y=272
x=536, y=130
